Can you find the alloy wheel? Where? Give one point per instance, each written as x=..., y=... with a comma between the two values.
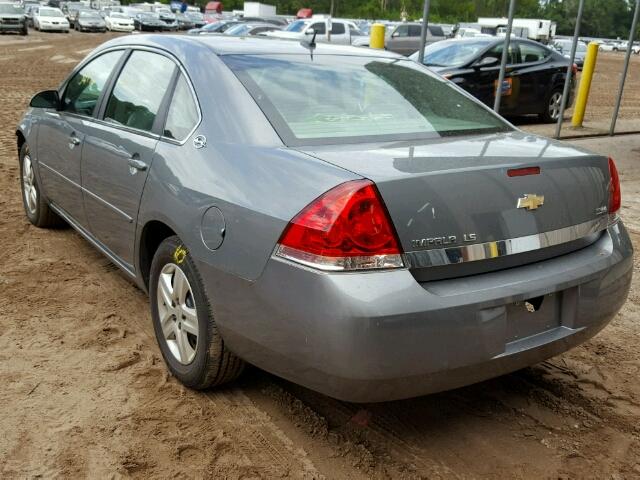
x=554, y=105
x=29, y=185
x=177, y=312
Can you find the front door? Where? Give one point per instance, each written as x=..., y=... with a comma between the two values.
x=118, y=150
x=61, y=135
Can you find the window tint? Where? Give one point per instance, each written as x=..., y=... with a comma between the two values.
x=183, y=113
x=512, y=57
x=356, y=99
x=532, y=53
x=320, y=28
x=436, y=30
x=337, y=28
x=415, y=30
x=139, y=90
x=84, y=89
x=402, y=31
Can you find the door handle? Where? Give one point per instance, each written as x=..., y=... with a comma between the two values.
x=137, y=164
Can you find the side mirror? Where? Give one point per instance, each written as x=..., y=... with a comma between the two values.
x=311, y=31
x=394, y=34
x=486, y=62
x=46, y=99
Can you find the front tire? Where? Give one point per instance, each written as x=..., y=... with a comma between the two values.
x=35, y=207
x=183, y=321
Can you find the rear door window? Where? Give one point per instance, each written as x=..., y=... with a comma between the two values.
x=532, y=53
x=84, y=89
x=337, y=29
x=138, y=93
x=415, y=30
x=183, y=112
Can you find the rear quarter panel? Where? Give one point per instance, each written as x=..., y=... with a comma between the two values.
x=244, y=170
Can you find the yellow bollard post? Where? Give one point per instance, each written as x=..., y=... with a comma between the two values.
x=585, y=84
x=376, y=39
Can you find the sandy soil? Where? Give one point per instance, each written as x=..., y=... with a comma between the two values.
x=85, y=392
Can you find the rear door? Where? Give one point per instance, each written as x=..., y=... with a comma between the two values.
x=119, y=149
x=482, y=82
x=61, y=134
x=339, y=34
x=534, y=75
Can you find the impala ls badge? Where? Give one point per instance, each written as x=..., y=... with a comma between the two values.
x=531, y=201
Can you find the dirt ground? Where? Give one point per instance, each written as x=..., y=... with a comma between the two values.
x=85, y=392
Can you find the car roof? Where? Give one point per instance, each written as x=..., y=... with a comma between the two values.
x=230, y=45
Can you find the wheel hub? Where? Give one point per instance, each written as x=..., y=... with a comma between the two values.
x=29, y=185
x=177, y=311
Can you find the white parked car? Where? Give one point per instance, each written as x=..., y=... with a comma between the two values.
x=50, y=19
x=119, y=22
x=341, y=31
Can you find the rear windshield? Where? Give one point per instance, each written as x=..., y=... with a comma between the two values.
x=346, y=99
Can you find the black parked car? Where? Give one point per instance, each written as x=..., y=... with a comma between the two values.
x=149, y=22
x=90, y=21
x=533, y=82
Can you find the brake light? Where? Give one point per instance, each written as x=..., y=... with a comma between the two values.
x=522, y=172
x=346, y=228
x=615, y=195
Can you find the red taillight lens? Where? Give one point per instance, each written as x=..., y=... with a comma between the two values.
x=347, y=228
x=522, y=172
x=615, y=196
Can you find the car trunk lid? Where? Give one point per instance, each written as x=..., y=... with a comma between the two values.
x=454, y=198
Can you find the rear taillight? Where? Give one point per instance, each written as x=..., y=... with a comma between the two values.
x=615, y=196
x=347, y=228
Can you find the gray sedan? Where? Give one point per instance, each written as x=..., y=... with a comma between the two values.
x=347, y=220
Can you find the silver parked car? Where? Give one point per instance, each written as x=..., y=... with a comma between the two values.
x=348, y=220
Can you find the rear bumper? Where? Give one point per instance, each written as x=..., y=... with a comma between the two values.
x=122, y=28
x=384, y=336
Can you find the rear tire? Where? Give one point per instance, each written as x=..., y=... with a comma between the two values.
x=184, y=323
x=35, y=206
x=552, y=104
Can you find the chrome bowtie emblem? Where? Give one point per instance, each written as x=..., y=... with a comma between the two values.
x=531, y=201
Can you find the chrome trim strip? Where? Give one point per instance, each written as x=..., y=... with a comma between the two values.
x=503, y=248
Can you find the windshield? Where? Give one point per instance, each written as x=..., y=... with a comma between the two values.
x=449, y=54
x=118, y=15
x=149, y=16
x=346, y=99
x=195, y=15
x=91, y=15
x=296, y=26
x=11, y=8
x=239, y=30
x=49, y=12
